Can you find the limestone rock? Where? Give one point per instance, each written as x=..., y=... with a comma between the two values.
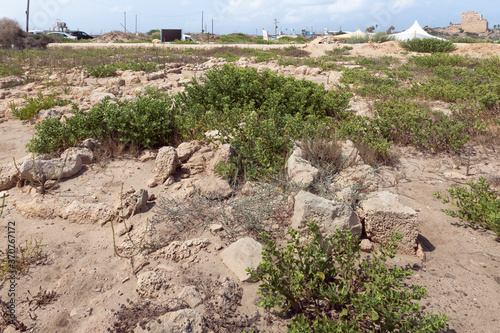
x=98, y=96
x=151, y=284
x=385, y=215
x=191, y=295
x=8, y=177
x=167, y=162
x=147, y=155
x=85, y=154
x=223, y=154
x=302, y=70
x=47, y=114
x=181, y=321
x=134, y=203
x=87, y=213
x=242, y=254
x=10, y=81
x=299, y=170
x=37, y=208
x=329, y=215
x=366, y=245
x=177, y=251
x=186, y=149
x=213, y=188
x=64, y=167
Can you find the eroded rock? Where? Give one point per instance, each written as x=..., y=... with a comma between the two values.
x=329, y=215
x=88, y=213
x=385, y=215
x=242, y=254
x=37, y=169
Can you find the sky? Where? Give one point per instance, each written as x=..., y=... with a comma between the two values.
x=248, y=16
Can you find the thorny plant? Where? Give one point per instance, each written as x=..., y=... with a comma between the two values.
x=259, y=211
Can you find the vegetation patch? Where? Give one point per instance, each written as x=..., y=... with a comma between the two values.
x=428, y=45
x=36, y=104
x=477, y=206
x=326, y=287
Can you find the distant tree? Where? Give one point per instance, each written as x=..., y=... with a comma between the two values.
x=390, y=30
x=451, y=23
x=494, y=26
x=370, y=29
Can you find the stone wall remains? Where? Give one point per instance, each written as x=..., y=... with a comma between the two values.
x=474, y=22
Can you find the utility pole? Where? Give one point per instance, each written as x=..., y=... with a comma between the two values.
x=213, y=30
x=202, y=23
x=136, y=24
x=125, y=21
x=275, y=27
x=27, y=16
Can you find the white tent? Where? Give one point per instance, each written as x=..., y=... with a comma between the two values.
x=415, y=31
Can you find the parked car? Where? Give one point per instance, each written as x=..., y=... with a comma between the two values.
x=80, y=35
x=61, y=34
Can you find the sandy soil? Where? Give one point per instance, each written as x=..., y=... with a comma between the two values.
x=94, y=288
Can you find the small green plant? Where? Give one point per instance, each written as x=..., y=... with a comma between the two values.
x=478, y=206
x=36, y=104
x=102, y=70
x=326, y=287
x=30, y=254
x=429, y=45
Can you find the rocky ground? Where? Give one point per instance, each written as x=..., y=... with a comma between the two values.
x=189, y=275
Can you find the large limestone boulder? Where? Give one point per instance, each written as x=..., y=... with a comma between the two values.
x=329, y=215
x=223, y=155
x=213, y=187
x=88, y=213
x=385, y=215
x=64, y=167
x=299, y=170
x=242, y=254
x=167, y=162
x=181, y=321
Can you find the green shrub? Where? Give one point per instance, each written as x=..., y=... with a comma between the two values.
x=101, y=70
x=258, y=113
x=326, y=287
x=8, y=69
x=479, y=206
x=36, y=104
x=146, y=122
x=428, y=45
x=381, y=37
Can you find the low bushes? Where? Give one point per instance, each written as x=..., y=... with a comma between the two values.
x=145, y=122
x=36, y=104
x=326, y=287
x=429, y=45
x=479, y=206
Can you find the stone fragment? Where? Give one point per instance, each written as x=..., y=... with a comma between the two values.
x=151, y=284
x=181, y=321
x=88, y=213
x=167, y=162
x=186, y=149
x=329, y=215
x=85, y=154
x=242, y=254
x=366, y=245
x=384, y=215
x=299, y=170
x=213, y=187
x=98, y=96
x=64, y=167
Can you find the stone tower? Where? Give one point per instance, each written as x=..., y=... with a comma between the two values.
x=474, y=22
